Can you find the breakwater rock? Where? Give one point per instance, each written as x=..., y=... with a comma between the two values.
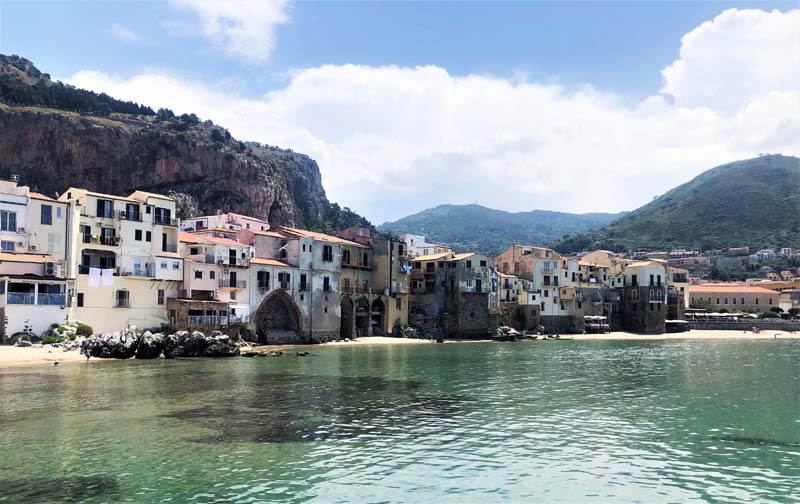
x=133, y=343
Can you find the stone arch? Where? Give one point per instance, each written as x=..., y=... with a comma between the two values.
x=362, y=317
x=377, y=316
x=277, y=317
x=347, y=316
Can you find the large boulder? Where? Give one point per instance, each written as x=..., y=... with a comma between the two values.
x=22, y=343
x=195, y=344
x=150, y=345
x=173, y=344
x=221, y=345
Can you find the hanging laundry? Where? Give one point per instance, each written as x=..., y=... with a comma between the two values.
x=108, y=277
x=94, y=277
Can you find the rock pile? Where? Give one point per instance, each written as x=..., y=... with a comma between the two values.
x=133, y=343
x=505, y=333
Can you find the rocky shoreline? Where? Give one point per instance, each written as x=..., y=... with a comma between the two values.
x=146, y=345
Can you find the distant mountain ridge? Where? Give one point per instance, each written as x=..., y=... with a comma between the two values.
x=487, y=230
x=753, y=203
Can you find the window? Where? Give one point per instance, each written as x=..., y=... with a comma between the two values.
x=742, y=300
x=469, y=282
x=233, y=294
x=326, y=284
x=345, y=257
x=194, y=251
x=148, y=209
x=658, y=280
x=651, y=280
x=327, y=253
x=547, y=279
x=176, y=265
x=483, y=264
x=47, y=215
x=717, y=301
x=163, y=265
x=469, y=264
x=8, y=221
x=756, y=300
x=160, y=296
x=198, y=274
x=148, y=236
x=726, y=300
x=105, y=209
x=542, y=305
x=478, y=285
x=58, y=212
x=212, y=274
x=634, y=280
x=770, y=300
x=262, y=277
x=546, y=293
x=303, y=282
x=7, y=246
x=80, y=299
x=304, y=247
x=365, y=259
x=284, y=279
x=398, y=304
x=137, y=235
x=123, y=299
x=734, y=300
x=652, y=307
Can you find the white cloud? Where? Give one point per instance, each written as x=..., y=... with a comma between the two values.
x=123, y=34
x=739, y=55
x=392, y=140
x=244, y=29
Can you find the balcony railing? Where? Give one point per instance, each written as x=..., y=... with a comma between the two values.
x=233, y=284
x=108, y=240
x=20, y=298
x=131, y=216
x=52, y=299
x=165, y=221
x=169, y=247
x=208, y=319
x=122, y=303
x=145, y=271
x=211, y=259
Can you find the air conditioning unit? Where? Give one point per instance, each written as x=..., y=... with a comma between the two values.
x=20, y=244
x=50, y=268
x=32, y=247
x=220, y=260
x=20, y=230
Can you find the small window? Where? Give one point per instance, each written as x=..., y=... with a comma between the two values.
x=198, y=274
x=233, y=294
x=148, y=236
x=148, y=209
x=212, y=274
x=327, y=253
x=160, y=296
x=176, y=265
x=302, y=281
x=326, y=284
x=398, y=304
x=47, y=214
x=7, y=246
x=137, y=235
x=80, y=299
x=483, y=264
x=469, y=264
x=58, y=212
x=194, y=251
x=163, y=265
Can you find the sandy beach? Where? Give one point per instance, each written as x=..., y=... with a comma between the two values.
x=11, y=356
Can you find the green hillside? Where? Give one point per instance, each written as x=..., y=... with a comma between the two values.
x=477, y=228
x=755, y=203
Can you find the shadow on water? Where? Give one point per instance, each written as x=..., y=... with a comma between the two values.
x=755, y=441
x=303, y=408
x=70, y=489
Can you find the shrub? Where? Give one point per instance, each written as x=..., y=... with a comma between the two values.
x=83, y=330
x=26, y=337
x=769, y=314
x=49, y=340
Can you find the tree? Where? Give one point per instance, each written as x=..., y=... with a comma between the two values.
x=775, y=309
x=216, y=136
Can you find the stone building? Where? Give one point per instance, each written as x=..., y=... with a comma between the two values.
x=465, y=285
x=733, y=297
x=642, y=297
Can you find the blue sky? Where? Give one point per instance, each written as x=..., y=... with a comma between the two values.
x=539, y=55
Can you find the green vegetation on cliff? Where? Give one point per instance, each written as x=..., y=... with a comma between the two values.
x=753, y=203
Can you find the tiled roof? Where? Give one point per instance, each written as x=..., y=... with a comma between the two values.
x=146, y=195
x=462, y=255
x=319, y=236
x=210, y=240
x=273, y=234
x=26, y=258
x=269, y=262
x=431, y=257
x=36, y=195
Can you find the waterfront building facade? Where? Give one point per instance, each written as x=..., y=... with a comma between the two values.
x=733, y=297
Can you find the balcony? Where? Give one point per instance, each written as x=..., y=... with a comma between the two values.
x=232, y=284
x=169, y=247
x=130, y=216
x=143, y=271
x=111, y=241
x=165, y=221
x=210, y=259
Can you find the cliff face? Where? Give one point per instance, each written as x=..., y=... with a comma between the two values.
x=52, y=151
x=55, y=136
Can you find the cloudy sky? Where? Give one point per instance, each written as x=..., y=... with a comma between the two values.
x=574, y=107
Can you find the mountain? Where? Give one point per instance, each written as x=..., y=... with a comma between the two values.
x=754, y=203
x=56, y=136
x=477, y=228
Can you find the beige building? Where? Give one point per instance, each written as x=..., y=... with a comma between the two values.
x=125, y=260
x=231, y=221
x=733, y=297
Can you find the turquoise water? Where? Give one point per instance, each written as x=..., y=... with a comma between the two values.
x=566, y=421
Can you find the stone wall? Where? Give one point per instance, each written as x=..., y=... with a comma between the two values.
x=472, y=317
x=746, y=325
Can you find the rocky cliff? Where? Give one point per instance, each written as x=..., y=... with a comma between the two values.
x=113, y=152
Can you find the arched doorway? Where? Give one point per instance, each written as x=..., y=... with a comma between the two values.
x=362, y=317
x=377, y=316
x=277, y=318
x=346, y=327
